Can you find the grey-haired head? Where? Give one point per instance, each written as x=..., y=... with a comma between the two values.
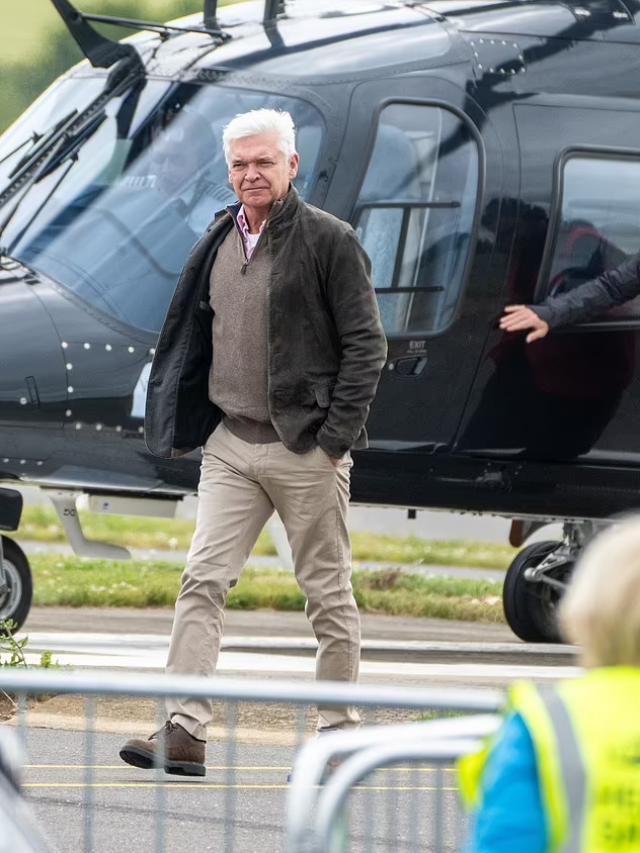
x=275, y=123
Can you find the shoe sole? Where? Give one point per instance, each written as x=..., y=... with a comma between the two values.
x=149, y=760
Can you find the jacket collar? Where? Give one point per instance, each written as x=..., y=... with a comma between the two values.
x=281, y=213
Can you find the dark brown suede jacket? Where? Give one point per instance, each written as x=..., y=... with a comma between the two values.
x=326, y=346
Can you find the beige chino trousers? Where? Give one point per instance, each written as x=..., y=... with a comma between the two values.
x=240, y=486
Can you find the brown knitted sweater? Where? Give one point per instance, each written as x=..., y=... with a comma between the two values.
x=238, y=377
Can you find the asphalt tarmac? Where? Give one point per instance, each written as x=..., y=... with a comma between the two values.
x=85, y=800
x=89, y=802
x=260, y=623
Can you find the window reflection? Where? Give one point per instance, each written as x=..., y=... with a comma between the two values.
x=21, y=139
x=599, y=224
x=415, y=215
x=115, y=222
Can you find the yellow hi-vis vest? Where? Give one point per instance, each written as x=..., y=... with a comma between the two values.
x=586, y=737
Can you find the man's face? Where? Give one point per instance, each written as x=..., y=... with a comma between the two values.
x=259, y=172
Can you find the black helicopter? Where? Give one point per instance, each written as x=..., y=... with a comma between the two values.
x=485, y=152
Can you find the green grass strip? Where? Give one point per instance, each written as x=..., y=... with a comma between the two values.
x=41, y=524
x=77, y=582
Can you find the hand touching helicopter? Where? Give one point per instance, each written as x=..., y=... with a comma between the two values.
x=518, y=318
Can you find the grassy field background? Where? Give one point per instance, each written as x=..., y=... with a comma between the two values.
x=61, y=580
x=29, y=25
x=41, y=524
x=35, y=46
x=74, y=582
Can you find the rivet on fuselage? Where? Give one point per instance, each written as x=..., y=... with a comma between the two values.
x=78, y=425
x=108, y=347
x=152, y=351
x=98, y=427
x=68, y=413
x=118, y=428
x=131, y=349
x=140, y=430
x=64, y=344
x=87, y=346
x=69, y=366
x=23, y=461
x=23, y=401
x=70, y=389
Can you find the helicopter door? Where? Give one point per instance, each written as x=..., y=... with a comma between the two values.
x=33, y=390
x=415, y=217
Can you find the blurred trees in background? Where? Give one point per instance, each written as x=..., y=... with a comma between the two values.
x=35, y=46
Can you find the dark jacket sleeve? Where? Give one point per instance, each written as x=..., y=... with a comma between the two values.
x=353, y=304
x=594, y=297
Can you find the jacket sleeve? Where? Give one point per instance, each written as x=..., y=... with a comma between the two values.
x=592, y=298
x=352, y=302
x=511, y=816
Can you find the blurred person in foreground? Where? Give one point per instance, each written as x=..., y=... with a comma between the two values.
x=563, y=772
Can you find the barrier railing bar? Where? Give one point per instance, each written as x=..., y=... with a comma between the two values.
x=334, y=795
x=253, y=690
x=89, y=761
x=161, y=794
x=230, y=793
x=313, y=757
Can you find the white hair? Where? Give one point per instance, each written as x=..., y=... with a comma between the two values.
x=601, y=609
x=258, y=122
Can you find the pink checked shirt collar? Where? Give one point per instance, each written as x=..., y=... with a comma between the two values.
x=249, y=240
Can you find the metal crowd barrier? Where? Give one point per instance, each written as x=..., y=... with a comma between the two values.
x=396, y=778
x=316, y=812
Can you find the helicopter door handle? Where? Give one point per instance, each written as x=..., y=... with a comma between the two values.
x=408, y=366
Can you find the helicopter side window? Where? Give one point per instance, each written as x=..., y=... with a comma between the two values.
x=598, y=223
x=415, y=215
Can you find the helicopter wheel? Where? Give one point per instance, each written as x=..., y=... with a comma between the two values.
x=531, y=607
x=15, y=600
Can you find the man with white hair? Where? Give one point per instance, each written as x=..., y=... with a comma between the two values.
x=269, y=359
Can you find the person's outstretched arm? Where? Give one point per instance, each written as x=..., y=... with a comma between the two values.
x=583, y=303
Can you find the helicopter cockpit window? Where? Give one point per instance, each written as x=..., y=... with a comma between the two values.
x=415, y=215
x=598, y=226
x=115, y=220
x=23, y=136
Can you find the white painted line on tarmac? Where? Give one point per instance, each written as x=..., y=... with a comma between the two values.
x=103, y=643
x=241, y=662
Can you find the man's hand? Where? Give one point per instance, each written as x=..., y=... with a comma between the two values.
x=516, y=318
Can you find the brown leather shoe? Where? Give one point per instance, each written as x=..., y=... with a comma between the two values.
x=172, y=748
